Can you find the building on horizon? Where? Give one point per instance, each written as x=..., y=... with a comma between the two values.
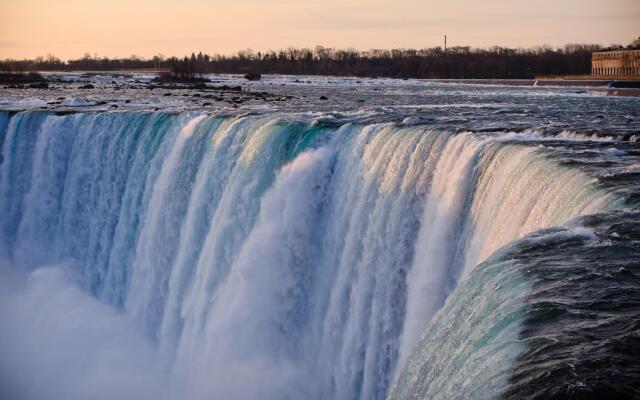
x=616, y=63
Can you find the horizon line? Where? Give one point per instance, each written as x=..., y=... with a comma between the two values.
x=96, y=56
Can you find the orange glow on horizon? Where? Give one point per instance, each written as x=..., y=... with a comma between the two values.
x=120, y=28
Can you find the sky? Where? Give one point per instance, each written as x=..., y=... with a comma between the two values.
x=121, y=28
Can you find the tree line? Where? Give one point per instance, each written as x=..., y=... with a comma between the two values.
x=460, y=62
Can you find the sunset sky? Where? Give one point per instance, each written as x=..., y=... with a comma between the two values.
x=70, y=28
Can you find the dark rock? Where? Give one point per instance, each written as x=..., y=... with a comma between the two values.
x=39, y=85
x=230, y=88
x=324, y=98
x=253, y=76
x=7, y=77
x=173, y=78
x=87, y=86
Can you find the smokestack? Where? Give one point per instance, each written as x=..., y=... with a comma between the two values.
x=445, y=44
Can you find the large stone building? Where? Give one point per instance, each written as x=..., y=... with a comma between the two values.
x=616, y=63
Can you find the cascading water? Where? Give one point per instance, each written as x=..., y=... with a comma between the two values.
x=552, y=315
x=272, y=256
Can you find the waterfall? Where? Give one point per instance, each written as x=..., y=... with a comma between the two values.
x=535, y=318
x=302, y=256
x=516, y=190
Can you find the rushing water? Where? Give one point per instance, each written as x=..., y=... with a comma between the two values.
x=553, y=315
x=291, y=255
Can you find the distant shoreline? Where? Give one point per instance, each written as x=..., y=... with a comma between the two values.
x=456, y=62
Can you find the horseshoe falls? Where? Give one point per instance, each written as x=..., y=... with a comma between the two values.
x=282, y=255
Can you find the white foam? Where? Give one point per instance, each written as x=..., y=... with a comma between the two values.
x=77, y=102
